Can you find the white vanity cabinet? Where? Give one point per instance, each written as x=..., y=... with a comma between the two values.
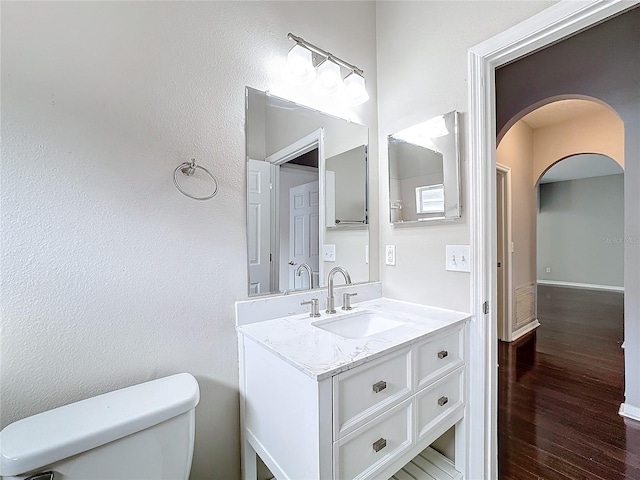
x=364, y=420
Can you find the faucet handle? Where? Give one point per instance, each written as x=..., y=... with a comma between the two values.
x=315, y=307
x=346, y=300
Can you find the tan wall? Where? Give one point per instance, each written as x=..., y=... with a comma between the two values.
x=516, y=151
x=601, y=132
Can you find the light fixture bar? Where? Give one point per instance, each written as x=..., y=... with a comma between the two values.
x=324, y=53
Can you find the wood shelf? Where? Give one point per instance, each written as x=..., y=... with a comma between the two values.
x=428, y=465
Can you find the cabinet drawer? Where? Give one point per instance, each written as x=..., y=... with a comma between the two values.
x=365, y=451
x=438, y=356
x=438, y=401
x=363, y=392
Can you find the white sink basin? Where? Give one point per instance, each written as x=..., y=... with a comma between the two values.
x=358, y=325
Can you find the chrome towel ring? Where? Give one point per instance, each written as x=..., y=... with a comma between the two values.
x=188, y=169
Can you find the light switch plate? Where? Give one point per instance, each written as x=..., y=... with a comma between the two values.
x=329, y=254
x=458, y=258
x=390, y=254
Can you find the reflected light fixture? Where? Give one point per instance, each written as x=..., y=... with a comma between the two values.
x=300, y=70
x=422, y=133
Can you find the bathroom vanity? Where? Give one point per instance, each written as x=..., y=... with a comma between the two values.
x=354, y=395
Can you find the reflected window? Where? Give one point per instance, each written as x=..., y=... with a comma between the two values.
x=430, y=199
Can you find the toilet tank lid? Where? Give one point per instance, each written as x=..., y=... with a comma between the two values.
x=60, y=433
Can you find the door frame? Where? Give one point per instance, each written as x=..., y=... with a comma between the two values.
x=544, y=29
x=304, y=145
x=507, y=333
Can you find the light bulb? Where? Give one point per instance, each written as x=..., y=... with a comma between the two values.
x=299, y=69
x=329, y=78
x=355, y=89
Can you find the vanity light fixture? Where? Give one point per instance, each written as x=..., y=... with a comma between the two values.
x=299, y=69
x=329, y=80
x=327, y=72
x=355, y=89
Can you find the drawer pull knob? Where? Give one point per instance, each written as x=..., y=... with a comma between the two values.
x=379, y=444
x=442, y=401
x=442, y=354
x=379, y=386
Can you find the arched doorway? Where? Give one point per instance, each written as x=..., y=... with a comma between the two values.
x=562, y=168
x=535, y=141
x=580, y=224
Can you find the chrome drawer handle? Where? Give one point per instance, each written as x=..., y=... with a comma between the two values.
x=442, y=354
x=379, y=444
x=379, y=386
x=442, y=401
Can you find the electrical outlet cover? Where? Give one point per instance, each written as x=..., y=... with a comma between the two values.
x=390, y=255
x=329, y=252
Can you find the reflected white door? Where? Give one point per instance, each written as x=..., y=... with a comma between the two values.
x=258, y=228
x=304, y=221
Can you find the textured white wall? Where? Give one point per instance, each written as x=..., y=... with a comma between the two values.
x=422, y=72
x=110, y=276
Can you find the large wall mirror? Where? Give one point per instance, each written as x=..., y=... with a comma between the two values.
x=424, y=171
x=306, y=195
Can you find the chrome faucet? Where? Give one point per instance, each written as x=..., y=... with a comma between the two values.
x=331, y=307
x=305, y=266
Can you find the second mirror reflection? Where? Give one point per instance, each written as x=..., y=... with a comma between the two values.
x=424, y=181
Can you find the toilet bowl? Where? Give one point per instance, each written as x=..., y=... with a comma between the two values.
x=141, y=432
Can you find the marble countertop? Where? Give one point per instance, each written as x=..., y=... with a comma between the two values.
x=321, y=354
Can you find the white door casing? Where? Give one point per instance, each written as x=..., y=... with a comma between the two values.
x=303, y=233
x=259, y=225
x=505, y=253
x=500, y=262
x=544, y=29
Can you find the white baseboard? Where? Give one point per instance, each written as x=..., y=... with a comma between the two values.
x=630, y=411
x=524, y=330
x=586, y=286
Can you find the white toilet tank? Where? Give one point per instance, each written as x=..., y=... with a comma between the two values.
x=140, y=432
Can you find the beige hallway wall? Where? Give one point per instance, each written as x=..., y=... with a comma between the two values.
x=601, y=132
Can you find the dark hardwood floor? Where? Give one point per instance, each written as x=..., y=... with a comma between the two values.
x=560, y=389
